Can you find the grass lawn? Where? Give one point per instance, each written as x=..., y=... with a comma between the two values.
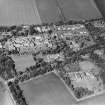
x=21, y=62
x=89, y=66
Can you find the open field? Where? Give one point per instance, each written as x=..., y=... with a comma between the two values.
x=49, y=10
x=41, y=11
x=49, y=90
x=5, y=98
x=18, y=12
x=21, y=62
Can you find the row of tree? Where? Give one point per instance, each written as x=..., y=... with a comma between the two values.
x=96, y=32
x=7, y=67
x=40, y=68
x=17, y=93
x=32, y=29
x=79, y=92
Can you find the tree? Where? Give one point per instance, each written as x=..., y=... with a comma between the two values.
x=102, y=75
x=7, y=67
x=81, y=92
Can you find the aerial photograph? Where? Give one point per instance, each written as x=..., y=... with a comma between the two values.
x=52, y=52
